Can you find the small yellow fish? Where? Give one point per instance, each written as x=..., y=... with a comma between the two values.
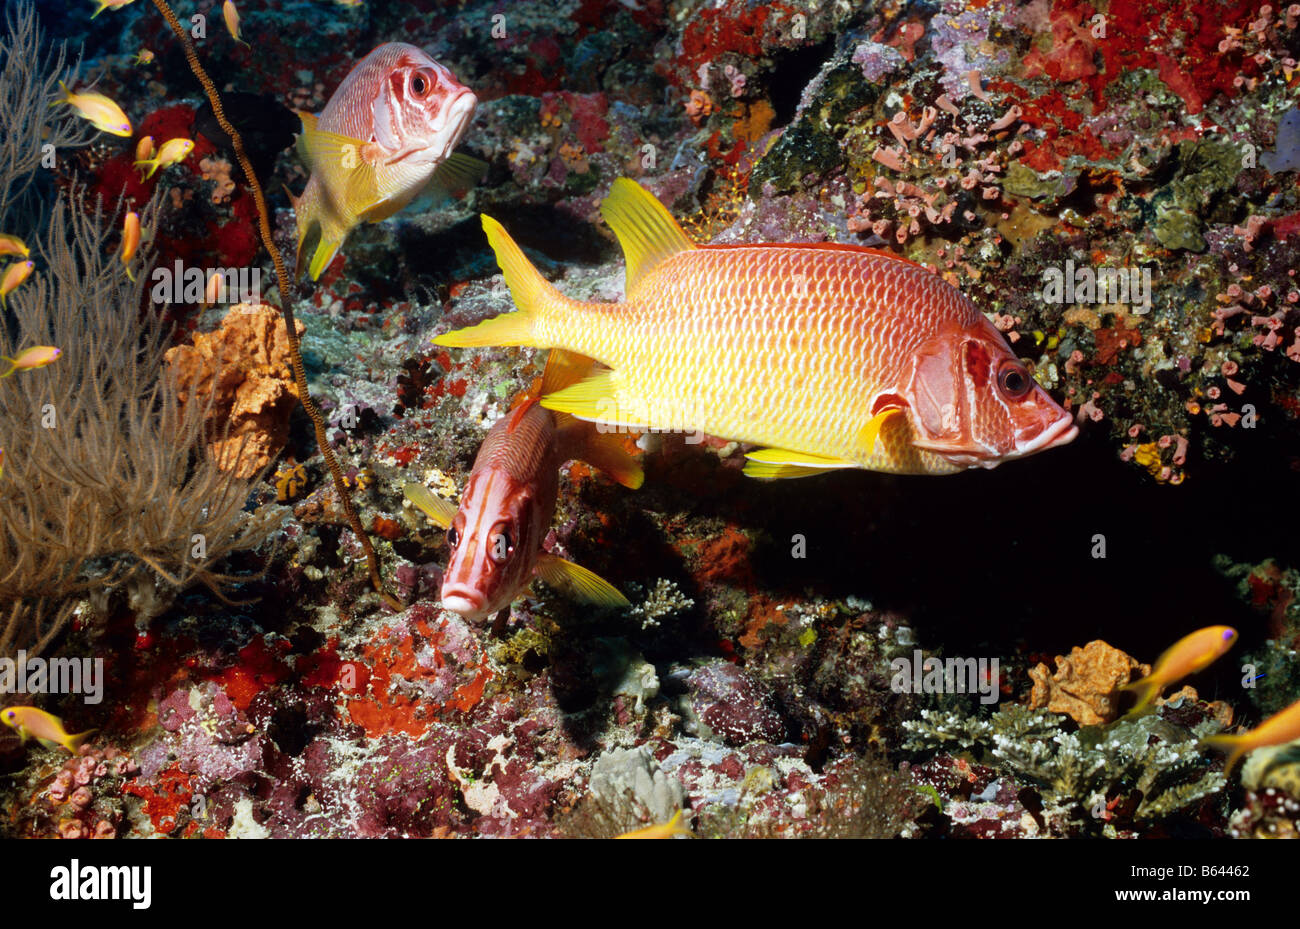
x=12, y=245
x=1278, y=729
x=143, y=57
x=44, y=727
x=666, y=830
x=172, y=151
x=1188, y=655
x=110, y=5
x=35, y=357
x=14, y=275
x=130, y=240
x=144, y=148
x=103, y=113
x=231, y=16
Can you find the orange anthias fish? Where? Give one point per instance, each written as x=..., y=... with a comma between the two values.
x=130, y=240
x=38, y=356
x=103, y=113
x=386, y=134
x=14, y=275
x=831, y=356
x=673, y=827
x=44, y=727
x=172, y=152
x=1278, y=729
x=509, y=502
x=1188, y=655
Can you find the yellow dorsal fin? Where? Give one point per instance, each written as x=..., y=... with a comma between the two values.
x=645, y=229
x=441, y=511
x=577, y=582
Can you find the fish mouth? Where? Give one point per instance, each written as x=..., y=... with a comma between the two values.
x=468, y=603
x=1061, y=432
x=458, y=114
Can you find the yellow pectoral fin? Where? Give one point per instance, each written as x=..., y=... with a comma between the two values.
x=577, y=582
x=343, y=164
x=441, y=511
x=870, y=433
x=459, y=172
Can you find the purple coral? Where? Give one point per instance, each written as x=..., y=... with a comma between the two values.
x=733, y=705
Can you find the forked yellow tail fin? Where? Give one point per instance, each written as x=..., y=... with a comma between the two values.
x=528, y=288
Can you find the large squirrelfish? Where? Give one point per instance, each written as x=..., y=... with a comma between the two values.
x=385, y=135
x=831, y=356
x=509, y=502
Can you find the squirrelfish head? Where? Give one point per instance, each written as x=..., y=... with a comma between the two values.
x=420, y=107
x=971, y=401
x=493, y=543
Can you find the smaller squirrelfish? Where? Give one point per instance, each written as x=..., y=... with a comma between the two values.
x=37, y=356
x=12, y=245
x=1278, y=729
x=110, y=5
x=103, y=113
x=385, y=136
x=673, y=827
x=14, y=275
x=46, y=728
x=1188, y=655
x=172, y=151
x=130, y=240
x=231, y=16
x=509, y=502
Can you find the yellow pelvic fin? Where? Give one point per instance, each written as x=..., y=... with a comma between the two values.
x=766, y=471
x=870, y=433
x=645, y=229
x=577, y=582
x=785, y=456
x=441, y=511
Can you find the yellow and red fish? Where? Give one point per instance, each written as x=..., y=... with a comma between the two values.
x=110, y=5
x=14, y=275
x=830, y=356
x=38, y=356
x=509, y=502
x=1278, y=729
x=130, y=240
x=103, y=113
x=231, y=16
x=12, y=245
x=1190, y=654
x=172, y=152
x=668, y=830
x=386, y=134
x=46, y=728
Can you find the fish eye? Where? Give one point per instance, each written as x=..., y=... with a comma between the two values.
x=421, y=83
x=1014, y=381
x=453, y=537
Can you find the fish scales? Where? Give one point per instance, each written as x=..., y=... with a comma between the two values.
x=714, y=310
